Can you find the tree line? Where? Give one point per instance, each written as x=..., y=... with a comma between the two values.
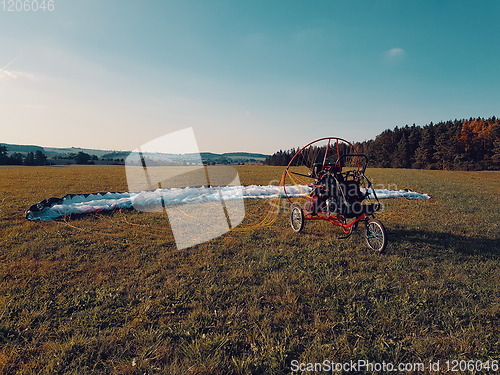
x=39, y=158
x=472, y=144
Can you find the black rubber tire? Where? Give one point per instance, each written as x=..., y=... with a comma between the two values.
x=297, y=218
x=375, y=235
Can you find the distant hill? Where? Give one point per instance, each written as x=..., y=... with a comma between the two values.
x=52, y=151
x=22, y=148
x=236, y=155
x=207, y=157
x=116, y=155
x=232, y=157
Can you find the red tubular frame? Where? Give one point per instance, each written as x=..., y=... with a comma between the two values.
x=319, y=140
x=336, y=220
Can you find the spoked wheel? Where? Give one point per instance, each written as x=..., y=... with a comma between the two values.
x=297, y=218
x=375, y=235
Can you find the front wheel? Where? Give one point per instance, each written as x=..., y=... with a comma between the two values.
x=297, y=218
x=375, y=235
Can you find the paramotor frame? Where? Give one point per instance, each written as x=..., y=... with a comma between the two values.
x=340, y=192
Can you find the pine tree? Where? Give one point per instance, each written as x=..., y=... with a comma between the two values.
x=444, y=149
x=425, y=151
x=30, y=159
x=40, y=158
x=496, y=143
x=402, y=157
x=496, y=151
x=3, y=155
x=16, y=159
x=383, y=149
x=413, y=141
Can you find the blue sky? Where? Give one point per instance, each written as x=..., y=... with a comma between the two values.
x=254, y=76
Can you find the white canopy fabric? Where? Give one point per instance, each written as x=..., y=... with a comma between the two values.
x=92, y=203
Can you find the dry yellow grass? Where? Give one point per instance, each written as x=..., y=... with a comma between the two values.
x=112, y=294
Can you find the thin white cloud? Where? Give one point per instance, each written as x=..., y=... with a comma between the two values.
x=395, y=54
x=5, y=75
x=11, y=74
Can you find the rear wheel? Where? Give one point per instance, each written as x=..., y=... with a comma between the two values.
x=297, y=218
x=375, y=235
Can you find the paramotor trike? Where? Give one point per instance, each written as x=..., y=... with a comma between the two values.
x=332, y=175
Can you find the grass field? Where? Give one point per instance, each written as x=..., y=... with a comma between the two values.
x=112, y=294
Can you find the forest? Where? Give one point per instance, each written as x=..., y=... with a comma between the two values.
x=472, y=144
x=39, y=158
